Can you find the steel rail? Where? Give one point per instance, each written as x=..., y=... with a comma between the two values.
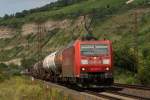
x=101, y=95
x=132, y=86
x=129, y=95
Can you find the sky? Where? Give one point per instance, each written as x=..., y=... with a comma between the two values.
x=13, y=6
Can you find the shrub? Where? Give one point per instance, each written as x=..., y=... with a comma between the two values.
x=3, y=66
x=144, y=72
x=27, y=63
x=125, y=77
x=3, y=72
x=14, y=70
x=125, y=58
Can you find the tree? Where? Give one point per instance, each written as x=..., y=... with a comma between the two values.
x=6, y=16
x=144, y=72
x=27, y=63
x=124, y=58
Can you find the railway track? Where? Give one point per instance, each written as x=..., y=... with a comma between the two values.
x=116, y=95
x=134, y=97
x=140, y=92
x=140, y=87
x=110, y=93
x=112, y=96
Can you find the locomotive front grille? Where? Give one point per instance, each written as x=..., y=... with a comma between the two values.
x=92, y=75
x=96, y=78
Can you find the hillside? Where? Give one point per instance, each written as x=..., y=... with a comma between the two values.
x=59, y=25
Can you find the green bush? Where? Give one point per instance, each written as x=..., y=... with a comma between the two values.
x=14, y=70
x=125, y=58
x=3, y=66
x=9, y=70
x=27, y=63
x=144, y=72
x=125, y=77
x=3, y=72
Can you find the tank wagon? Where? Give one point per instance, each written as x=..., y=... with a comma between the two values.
x=82, y=62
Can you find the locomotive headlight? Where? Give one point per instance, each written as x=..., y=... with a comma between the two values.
x=105, y=61
x=83, y=69
x=107, y=68
x=84, y=61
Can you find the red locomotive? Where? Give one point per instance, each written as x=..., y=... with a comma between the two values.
x=82, y=62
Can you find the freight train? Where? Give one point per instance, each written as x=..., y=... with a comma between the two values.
x=86, y=63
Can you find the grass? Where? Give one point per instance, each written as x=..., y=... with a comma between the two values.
x=22, y=88
x=14, y=86
x=125, y=77
x=9, y=54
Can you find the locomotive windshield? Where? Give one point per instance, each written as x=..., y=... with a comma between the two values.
x=94, y=49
